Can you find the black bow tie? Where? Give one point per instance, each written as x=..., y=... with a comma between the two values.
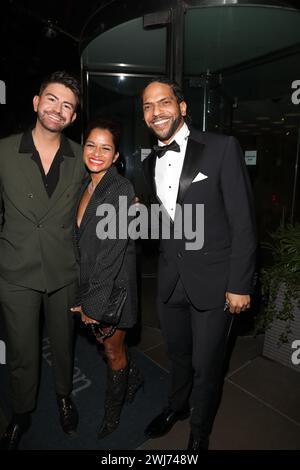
x=161, y=150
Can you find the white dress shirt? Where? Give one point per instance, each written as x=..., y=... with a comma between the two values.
x=168, y=170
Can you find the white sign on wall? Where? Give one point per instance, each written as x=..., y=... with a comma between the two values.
x=2, y=92
x=2, y=352
x=250, y=157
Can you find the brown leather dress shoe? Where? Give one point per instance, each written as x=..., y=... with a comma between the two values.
x=68, y=414
x=164, y=422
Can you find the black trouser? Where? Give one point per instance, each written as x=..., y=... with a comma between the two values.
x=195, y=341
x=21, y=309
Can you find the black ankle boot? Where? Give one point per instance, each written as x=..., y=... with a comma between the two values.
x=18, y=425
x=68, y=414
x=114, y=399
x=135, y=381
x=197, y=443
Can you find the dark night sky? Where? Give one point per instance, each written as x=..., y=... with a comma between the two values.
x=28, y=55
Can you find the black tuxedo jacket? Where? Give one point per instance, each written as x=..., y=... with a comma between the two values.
x=226, y=261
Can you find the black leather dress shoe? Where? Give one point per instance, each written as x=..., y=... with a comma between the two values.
x=12, y=436
x=163, y=423
x=197, y=444
x=68, y=415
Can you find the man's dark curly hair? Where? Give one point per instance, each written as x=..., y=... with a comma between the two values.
x=178, y=93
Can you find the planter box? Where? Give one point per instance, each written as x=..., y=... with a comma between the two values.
x=282, y=353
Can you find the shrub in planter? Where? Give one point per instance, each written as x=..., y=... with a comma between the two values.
x=280, y=281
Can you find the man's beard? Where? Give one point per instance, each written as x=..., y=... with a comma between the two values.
x=173, y=129
x=53, y=127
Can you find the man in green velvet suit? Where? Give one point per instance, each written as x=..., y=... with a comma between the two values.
x=40, y=174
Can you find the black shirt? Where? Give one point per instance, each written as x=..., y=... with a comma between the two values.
x=51, y=179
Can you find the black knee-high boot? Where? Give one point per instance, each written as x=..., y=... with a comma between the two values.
x=114, y=399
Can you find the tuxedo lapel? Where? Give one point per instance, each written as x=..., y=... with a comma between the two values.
x=150, y=174
x=190, y=167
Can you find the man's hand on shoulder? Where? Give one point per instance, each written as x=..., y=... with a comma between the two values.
x=237, y=303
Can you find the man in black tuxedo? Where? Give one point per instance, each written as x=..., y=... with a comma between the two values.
x=201, y=287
